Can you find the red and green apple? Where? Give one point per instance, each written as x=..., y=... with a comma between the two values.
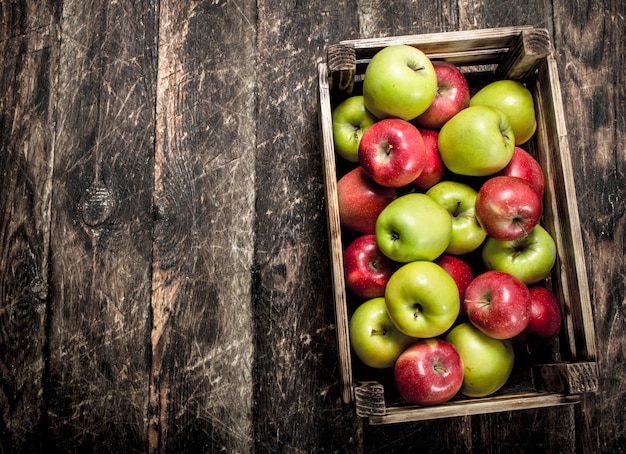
x=360, y=200
x=508, y=207
x=529, y=258
x=400, y=81
x=453, y=95
x=375, y=340
x=392, y=152
x=366, y=269
x=422, y=299
x=434, y=169
x=350, y=120
x=429, y=372
x=413, y=227
x=459, y=200
x=498, y=304
x=487, y=362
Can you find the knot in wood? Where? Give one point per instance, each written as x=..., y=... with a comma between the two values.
x=96, y=205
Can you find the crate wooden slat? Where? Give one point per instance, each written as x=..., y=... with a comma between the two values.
x=481, y=406
x=523, y=53
x=334, y=236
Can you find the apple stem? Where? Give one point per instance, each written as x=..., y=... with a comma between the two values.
x=520, y=245
x=484, y=303
x=416, y=68
x=456, y=210
x=378, y=331
x=520, y=223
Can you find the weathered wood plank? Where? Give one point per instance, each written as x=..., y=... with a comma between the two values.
x=202, y=336
x=29, y=49
x=537, y=430
x=380, y=19
x=590, y=46
x=489, y=14
x=297, y=392
x=101, y=227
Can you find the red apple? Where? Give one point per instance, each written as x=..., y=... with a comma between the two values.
x=498, y=304
x=508, y=207
x=545, y=316
x=434, y=169
x=459, y=269
x=367, y=270
x=361, y=200
x=392, y=152
x=429, y=372
x=453, y=95
x=523, y=165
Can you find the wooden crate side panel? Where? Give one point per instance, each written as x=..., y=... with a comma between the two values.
x=370, y=399
x=568, y=378
x=527, y=50
x=463, y=48
x=516, y=55
x=494, y=404
x=334, y=234
x=569, y=278
x=472, y=41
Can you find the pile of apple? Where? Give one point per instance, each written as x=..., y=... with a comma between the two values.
x=436, y=176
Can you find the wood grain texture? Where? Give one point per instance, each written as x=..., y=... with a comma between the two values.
x=590, y=46
x=502, y=13
x=297, y=394
x=201, y=339
x=29, y=48
x=101, y=227
x=164, y=268
x=381, y=19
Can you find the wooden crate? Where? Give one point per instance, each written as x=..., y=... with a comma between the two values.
x=557, y=377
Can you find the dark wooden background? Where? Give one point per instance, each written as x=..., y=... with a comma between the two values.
x=164, y=271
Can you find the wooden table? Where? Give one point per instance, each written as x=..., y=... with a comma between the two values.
x=164, y=268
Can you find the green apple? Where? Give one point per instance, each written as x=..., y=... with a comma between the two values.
x=459, y=199
x=350, y=120
x=413, y=227
x=400, y=81
x=487, y=362
x=515, y=101
x=478, y=141
x=375, y=340
x=422, y=299
x=529, y=258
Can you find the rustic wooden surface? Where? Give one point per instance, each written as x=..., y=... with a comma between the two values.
x=164, y=282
